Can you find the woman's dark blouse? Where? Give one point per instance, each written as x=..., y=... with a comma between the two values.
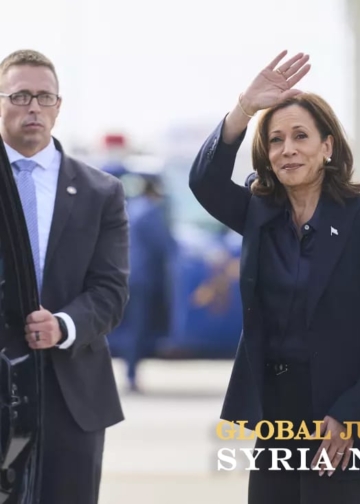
x=284, y=270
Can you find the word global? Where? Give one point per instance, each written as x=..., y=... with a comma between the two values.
x=283, y=429
x=227, y=459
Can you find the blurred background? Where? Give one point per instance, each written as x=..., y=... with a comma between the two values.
x=143, y=84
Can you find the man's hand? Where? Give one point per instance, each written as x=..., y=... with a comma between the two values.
x=42, y=330
x=336, y=448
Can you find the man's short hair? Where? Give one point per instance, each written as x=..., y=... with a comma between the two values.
x=27, y=57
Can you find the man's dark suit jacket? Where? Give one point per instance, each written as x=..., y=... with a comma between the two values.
x=333, y=305
x=86, y=276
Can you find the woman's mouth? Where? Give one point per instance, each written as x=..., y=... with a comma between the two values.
x=291, y=166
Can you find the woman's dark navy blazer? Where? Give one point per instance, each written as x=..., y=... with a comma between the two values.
x=333, y=302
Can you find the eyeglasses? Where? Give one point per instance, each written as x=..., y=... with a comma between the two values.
x=24, y=98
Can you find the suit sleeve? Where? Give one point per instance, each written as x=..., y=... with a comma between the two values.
x=347, y=406
x=210, y=181
x=100, y=307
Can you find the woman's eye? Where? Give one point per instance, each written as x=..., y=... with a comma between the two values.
x=275, y=139
x=301, y=135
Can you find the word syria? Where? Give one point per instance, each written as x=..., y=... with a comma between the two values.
x=227, y=459
x=284, y=430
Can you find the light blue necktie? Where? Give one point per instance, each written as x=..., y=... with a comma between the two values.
x=27, y=192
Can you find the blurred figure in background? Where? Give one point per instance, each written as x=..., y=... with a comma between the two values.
x=151, y=249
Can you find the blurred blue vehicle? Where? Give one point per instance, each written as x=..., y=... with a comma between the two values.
x=199, y=314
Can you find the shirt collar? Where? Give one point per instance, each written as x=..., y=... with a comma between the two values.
x=314, y=221
x=44, y=158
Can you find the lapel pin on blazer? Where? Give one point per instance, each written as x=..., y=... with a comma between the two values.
x=333, y=231
x=71, y=190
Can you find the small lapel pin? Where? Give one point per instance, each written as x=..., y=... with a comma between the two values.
x=71, y=190
x=333, y=231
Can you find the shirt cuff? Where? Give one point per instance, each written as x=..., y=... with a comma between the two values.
x=71, y=330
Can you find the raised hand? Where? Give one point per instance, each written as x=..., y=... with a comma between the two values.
x=273, y=85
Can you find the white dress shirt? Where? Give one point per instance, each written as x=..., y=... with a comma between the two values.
x=45, y=177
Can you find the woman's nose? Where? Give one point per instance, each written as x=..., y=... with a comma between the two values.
x=289, y=148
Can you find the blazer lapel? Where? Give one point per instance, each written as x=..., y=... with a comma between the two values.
x=334, y=230
x=63, y=206
x=259, y=213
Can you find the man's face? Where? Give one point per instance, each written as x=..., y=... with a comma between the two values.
x=27, y=128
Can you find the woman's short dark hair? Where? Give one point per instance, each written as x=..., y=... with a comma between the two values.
x=338, y=174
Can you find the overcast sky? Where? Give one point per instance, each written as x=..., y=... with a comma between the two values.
x=143, y=65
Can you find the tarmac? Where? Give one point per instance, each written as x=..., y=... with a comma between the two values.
x=166, y=451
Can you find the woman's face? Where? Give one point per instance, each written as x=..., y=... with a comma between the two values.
x=296, y=150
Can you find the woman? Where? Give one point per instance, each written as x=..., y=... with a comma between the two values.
x=299, y=354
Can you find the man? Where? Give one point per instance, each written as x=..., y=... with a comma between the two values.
x=79, y=236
